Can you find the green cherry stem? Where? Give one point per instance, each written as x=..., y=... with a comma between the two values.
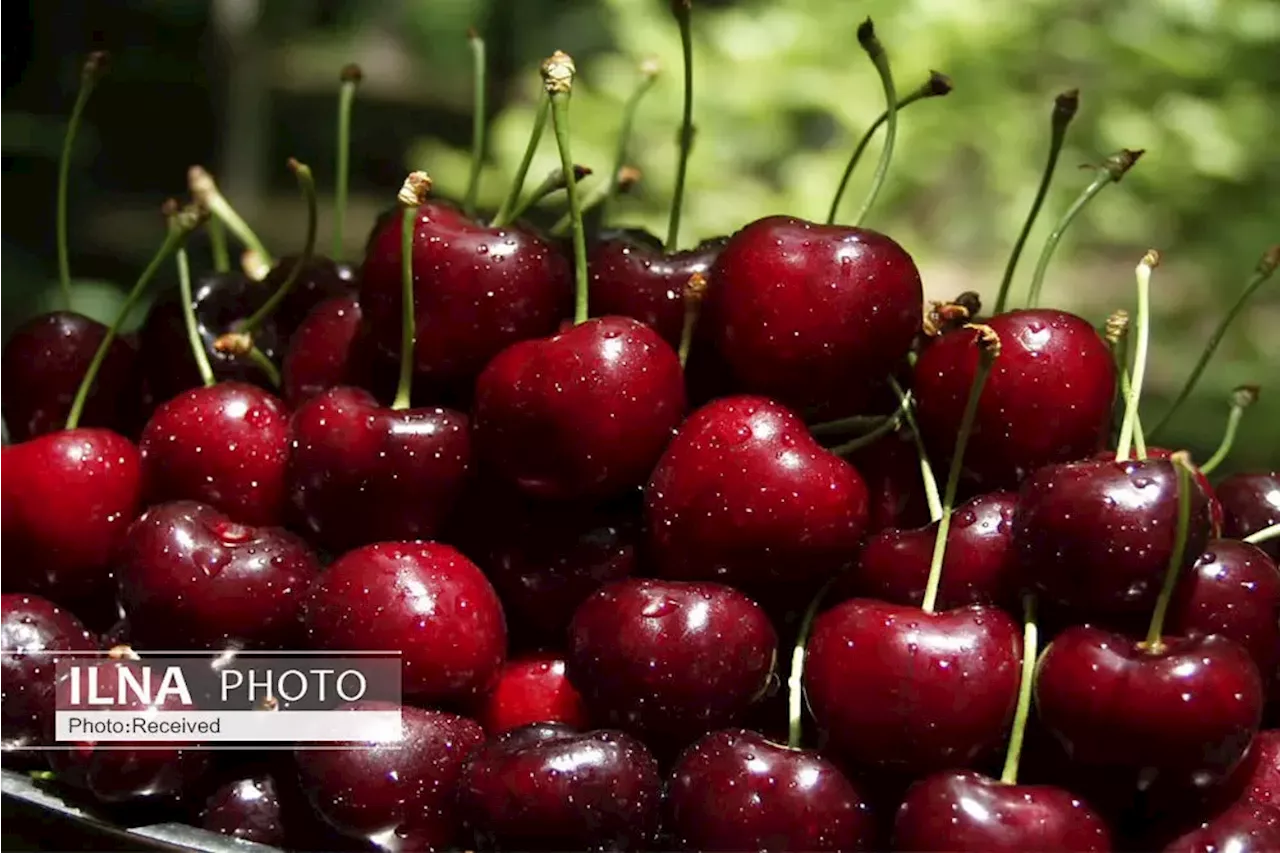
x=887, y=425
x=937, y=85
x=1110, y=172
x=504, y=216
x=597, y=197
x=1266, y=266
x=648, y=74
x=477, y=120
x=929, y=481
x=1182, y=467
x=184, y=222
x=1117, y=335
x=553, y=182
x=875, y=50
x=1143, y=273
x=695, y=290
x=795, y=678
x=198, y=351
x=1266, y=534
x=1064, y=109
x=308, y=187
x=1241, y=399
x=1030, y=650
x=90, y=73
x=412, y=196
x=557, y=76
x=350, y=80
x=266, y=365
x=218, y=245
x=206, y=194
x=988, y=344
x=682, y=10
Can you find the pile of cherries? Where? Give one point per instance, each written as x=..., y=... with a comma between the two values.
x=655, y=531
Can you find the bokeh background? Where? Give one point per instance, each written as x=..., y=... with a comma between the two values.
x=782, y=93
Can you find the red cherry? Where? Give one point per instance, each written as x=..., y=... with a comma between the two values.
x=323, y=353
x=532, y=689
x=890, y=468
x=1048, y=398
x=1251, y=502
x=1242, y=828
x=267, y=806
x=1262, y=777
x=1215, y=506
x=321, y=280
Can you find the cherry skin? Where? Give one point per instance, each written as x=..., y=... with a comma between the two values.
x=737, y=790
x=1097, y=536
x=532, y=689
x=890, y=469
x=1186, y=710
x=963, y=810
x=651, y=657
x=41, y=368
x=325, y=351
x=1262, y=776
x=1251, y=502
x=632, y=277
x=226, y=445
x=979, y=567
x=317, y=282
x=809, y=313
x=548, y=787
x=399, y=795
x=1048, y=398
x=423, y=599
x=1215, y=506
x=190, y=578
x=362, y=473
x=266, y=805
x=477, y=290
x=912, y=692
x=745, y=496
x=33, y=631
x=1242, y=828
x=583, y=414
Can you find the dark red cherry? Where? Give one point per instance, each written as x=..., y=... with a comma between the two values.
x=1242, y=828
x=265, y=804
x=890, y=469
x=226, y=445
x=744, y=495
x=1097, y=536
x=963, y=810
x=631, y=276
x=362, y=473
x=911, y=692
x=423, y=599
x=1185, y=710
x=1262, y=776
x=1251, y=502
x=532, y=689
x=317, y=282
x=979, y=567
x=737, y=790
x=477, y=290
x=582, y=414
x=547, y=787
x=400, y=796
x=670, y=660
x=1215, y=506
x=43, y=363
x=325, y=352
x=808, y=313
x=1048, y=399
x=191, y=578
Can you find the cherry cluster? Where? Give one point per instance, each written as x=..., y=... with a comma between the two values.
x=655, y=531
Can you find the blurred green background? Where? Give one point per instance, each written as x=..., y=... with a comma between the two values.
x=782, y=92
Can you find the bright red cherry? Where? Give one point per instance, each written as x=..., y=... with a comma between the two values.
x=1242, y=828
x=532, y=689
x=1251, y=502
x=323, y=353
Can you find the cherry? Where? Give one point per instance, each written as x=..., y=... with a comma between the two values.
x=265, y=804
x=1262, y=776
x=320, y=280
x=1215, y=506
x=547, y=787
x=532, y=689
x=190, y=578
x=744, y=495
x=890, y=469
x=649, y=657
x=736, y=790
x=964, y=810
x=1242, y=828
x=33, y=631
x=225, y=445
x=398, y=795
x=1251, y=502
x=325, y=351
x=423, y=599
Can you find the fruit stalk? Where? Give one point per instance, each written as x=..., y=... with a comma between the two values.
x=218, y=245
x=875, y=50
x=626, y=178
x=189, y=310
x=1030, y=648
x=412, y=196
x=553, y=182
x=350, y=80
x=506, y=211
x=90, y=73
x=206, y=194
x=1241, y=399
x=648, y=74
x=557, y=77
x=1117, y=335
x=929, y=481
x=886, y=425
x=308, y=187
x=477, y=120
x=795, y=678
x=682, y=10
x=1266, y=534
x=1182, y=467
x=694, y=292
x=1143, y=272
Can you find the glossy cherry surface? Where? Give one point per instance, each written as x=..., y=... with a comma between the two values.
x=1262, y=773
x=890, y=469
x=267, y=806
x=1048, y=399
x=323, y=351
x=582, y=414
x=317, y=282
x=423, y=599
x=533, y=688
x=1251, y=502
x=1242, y=828
x=736, y=790
x=33, y=631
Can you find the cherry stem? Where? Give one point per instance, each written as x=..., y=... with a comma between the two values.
x=351, y=77
x=412, y=196
x=988, y=344
x=937, y=85
x=90, y=73
x=1266, y=534
x=218, y=245
x=198, y=351
x=927, y=479
x=694, y=292
x=854, y=422
x=1030, y=649
x=260, y=360
x=477, y=121
x=206, y=194
x=553, y=182
x=557, y=76
x=1134, y=393
x=1182, y=467
x=1241, y=399
x=648, y=74
x=1064, y=109
x=1110, y=172
x=682, y=9
x=1266, y=266
x=308, y=187
x=1117, y=335
x=875, y=50
x=795, y=679
x=597, y=197
x=505, y=214
x=887, y=425
x=184, y=222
